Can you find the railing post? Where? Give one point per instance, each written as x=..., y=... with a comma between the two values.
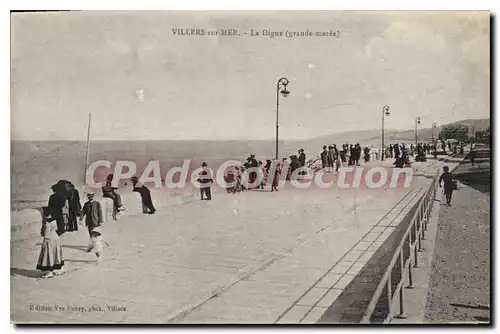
x=410, y=275
x=420, y=249
x=416, y=252
x=428, y=214
x=389, y=298
x=401, y=314
x=410, y=262
x=417, y=232
x=422, y=220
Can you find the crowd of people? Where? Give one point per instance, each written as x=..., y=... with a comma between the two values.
x=65, y=212
x=334, y=158
x=64, y=208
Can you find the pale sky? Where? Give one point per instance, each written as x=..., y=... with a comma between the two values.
x=140, y=81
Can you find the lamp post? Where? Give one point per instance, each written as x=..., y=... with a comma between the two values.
x=433, y=127
x=434, y=144
x=385, y=112
x=282, y=83
x=418, y=120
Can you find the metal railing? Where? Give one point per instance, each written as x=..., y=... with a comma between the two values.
x=390, y=290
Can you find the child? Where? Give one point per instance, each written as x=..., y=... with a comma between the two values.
x=51, y=257
x=93, y=213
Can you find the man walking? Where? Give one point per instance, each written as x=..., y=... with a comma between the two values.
x=302, y=158
x=92, y=212
x=324, y=157
x=205, y=181
x=448, y=180
x=472, y=156
x=74, y=207
x=330, y=158
x=357, y=149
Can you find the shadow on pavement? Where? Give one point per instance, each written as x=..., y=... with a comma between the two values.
x=81, y=248
x=80, y=261
x=30, y=273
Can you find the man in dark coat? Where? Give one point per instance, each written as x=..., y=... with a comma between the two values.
x=367, y=154
x=302, y=157
x=330, y=156
x=75, y=207
x=472, y=156
x=352, y=154
x=324, y=157
x=396, y=151
x=147, y=202
x=110, y=192
x=343, y=153
x=205, y=181
x=448, y=180
x=92, y=212
x=358, y=154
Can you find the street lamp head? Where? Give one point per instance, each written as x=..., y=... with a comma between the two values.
x=419, y=120
x=285, y=92
x=386, y=110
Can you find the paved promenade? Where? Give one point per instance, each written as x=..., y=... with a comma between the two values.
x=253, y=257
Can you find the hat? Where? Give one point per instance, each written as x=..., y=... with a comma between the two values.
x=97, y=230
x=90, y=195
x=60, y=182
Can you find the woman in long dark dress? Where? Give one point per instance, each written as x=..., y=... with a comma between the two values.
x=276, y=179
x=449, y=184
x=58, y=208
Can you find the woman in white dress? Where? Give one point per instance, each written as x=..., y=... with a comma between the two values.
x=51, y=258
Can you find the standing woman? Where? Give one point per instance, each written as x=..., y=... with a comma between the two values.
x=58, y=207
x=262, y=175
x=276, y=178
x=449, y=184
x=267, y=167
x=51, y=258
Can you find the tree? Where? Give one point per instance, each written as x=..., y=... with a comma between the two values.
x=483, y=136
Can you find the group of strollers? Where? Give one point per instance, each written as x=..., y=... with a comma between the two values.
x=238, y=178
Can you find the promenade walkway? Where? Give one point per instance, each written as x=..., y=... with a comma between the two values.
x=251, y=257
